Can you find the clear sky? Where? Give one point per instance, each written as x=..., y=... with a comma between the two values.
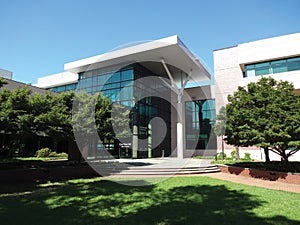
x=38, y=37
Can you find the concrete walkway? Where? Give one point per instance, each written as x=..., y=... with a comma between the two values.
x=168, y=162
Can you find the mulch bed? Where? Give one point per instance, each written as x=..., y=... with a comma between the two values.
x=287, y=177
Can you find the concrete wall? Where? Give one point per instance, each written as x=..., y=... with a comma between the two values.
x=229, y=64
x=258, y=154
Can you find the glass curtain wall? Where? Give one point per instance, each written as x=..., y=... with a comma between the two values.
x=199, y=118
x=64, y=88
x=110, y=83
x=123, y=87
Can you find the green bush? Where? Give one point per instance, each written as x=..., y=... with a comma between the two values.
x=219, y=156
x=53, y=154
x=43, y=153
x=247, y=156
x=60, y=155
x=233, y=154
x=47, y=153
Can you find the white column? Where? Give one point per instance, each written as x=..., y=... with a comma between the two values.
x=179, y=141
x=179, y=126
x=149, y=141
x=179, y=93
x=135, y=142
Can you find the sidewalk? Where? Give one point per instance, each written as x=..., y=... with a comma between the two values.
x=276, y=185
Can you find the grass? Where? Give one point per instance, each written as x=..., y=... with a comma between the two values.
x=230, y=161
x=175, y=201
x=38, y=159
x=293, y=167
x=26, y=159
x=204, y=157
x=29, y=162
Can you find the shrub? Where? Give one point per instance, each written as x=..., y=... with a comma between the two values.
x=43, y=153
x=233, y=155
x=247, y=156
x=61, y=155
x=47, y=153
x=219, y=156
x=53, y=154
x=58, y=155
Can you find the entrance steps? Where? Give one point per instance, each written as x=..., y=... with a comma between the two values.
x=169, y=171
x=154, y=167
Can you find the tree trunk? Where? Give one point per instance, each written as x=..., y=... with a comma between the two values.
x=237, y=152
x=266, y=150
x=284, y=157
x=222, y=147
x=55, y=143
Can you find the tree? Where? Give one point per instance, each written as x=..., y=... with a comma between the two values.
x=103, y=110
x=220, y=126
x=15, y=118
x=112, y=120
x=91, y=121
x=53, y=115
x=2, y=82
x=26, y=115
x=265, y=114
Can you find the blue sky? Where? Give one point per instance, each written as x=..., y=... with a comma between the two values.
x=38, y=37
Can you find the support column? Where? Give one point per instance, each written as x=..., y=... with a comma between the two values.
x=149, y=141
x=135, y=142
x=179, y=92
x=180, y=132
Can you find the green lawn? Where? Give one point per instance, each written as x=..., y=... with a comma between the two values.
x=27, y=159
x=175, y=201
x=204, y=157
x=30, y=162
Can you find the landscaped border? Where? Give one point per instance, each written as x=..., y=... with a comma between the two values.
x=46, y=173
x=293, y=178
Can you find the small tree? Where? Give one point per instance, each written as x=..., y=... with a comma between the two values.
x=265, y=114
x=2, y=82
x=15, y=118
x=220, y=126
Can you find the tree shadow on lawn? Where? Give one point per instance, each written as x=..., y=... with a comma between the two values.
x=106, y=202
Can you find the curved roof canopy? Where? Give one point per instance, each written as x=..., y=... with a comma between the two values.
x=175, y=54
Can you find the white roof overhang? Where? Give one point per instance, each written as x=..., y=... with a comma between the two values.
x=171, y=49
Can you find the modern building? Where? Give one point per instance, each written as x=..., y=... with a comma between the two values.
x=277, y=57
x=159, y=82
x=163, y=79
x=6, y=74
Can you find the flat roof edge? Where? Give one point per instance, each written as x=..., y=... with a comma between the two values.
x=259, y=40
x=219, y=49
x=167, y=41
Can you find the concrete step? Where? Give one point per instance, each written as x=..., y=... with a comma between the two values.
x=162, y=171
x=171, y=168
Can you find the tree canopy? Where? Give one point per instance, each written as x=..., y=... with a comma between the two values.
x=265, y=114
x=26, y=114
x=2, y=82
x=96, y=117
